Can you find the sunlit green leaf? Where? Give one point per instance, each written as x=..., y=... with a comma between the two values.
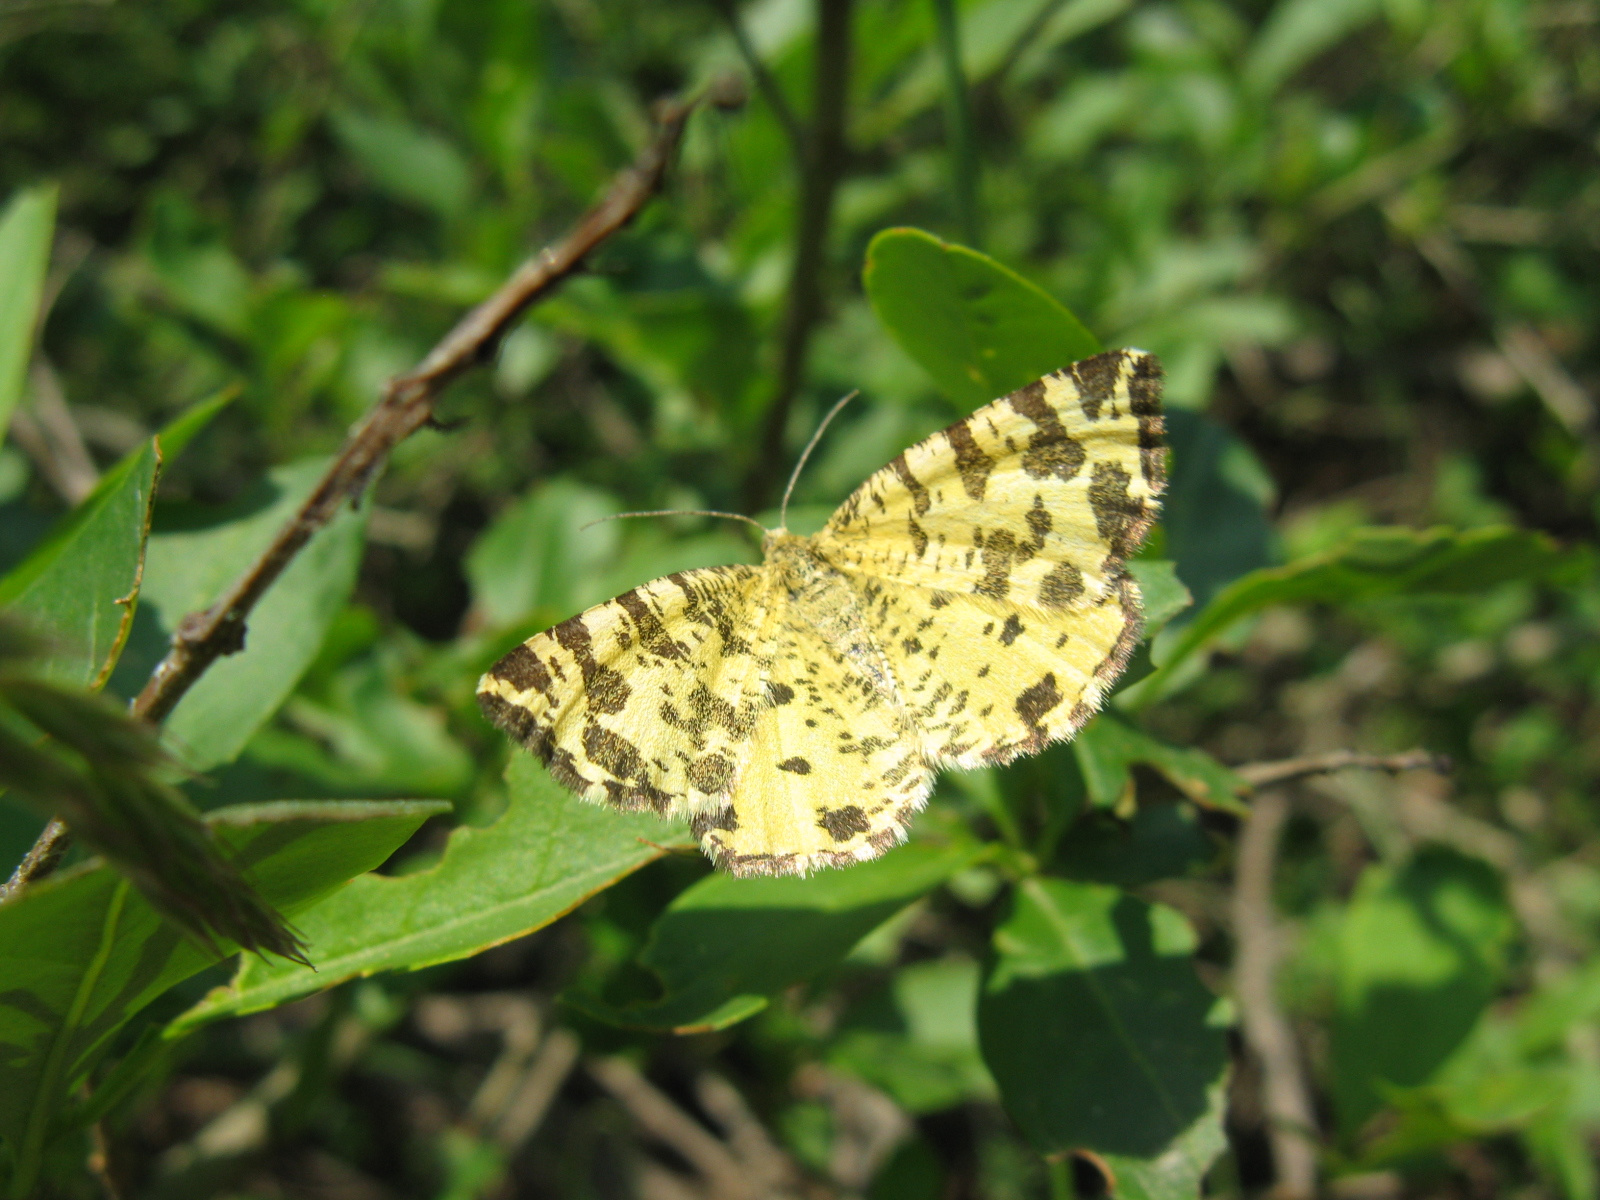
x=978, y=328
x=545, y=854
x=1108, y=748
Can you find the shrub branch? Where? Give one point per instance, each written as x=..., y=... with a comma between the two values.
x=407, y=405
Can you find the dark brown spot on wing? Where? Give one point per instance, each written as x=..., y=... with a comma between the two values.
x=652, y=633
x=779, y=693
x=845, y=822
x=604, y=690
x=1097, y=381
x=523, y=669
x=724, y=819
x=999, y=551
x=1119, y=517
x=1051, y=450
x=972, y=463
x=795, y=766
x=517, y=721
x=1037, y=700
x=710, y=774
x=1062, y=585
x=611, y=752
x=1039, y=523
x=1011, y=630
x=920, y=500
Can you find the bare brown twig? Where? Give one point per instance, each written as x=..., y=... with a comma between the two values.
x=1291, y=1119
x=1265, y=774
x=407, y=405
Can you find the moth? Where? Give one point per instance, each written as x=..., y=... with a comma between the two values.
x=966, y=605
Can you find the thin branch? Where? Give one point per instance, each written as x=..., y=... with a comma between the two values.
x=669, y=1124
x=407, y=405
x=1286, y=1096
x=1265, y=774
x=765, y=83
x=821, y=167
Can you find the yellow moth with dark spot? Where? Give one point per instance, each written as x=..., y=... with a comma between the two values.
x=966, y=605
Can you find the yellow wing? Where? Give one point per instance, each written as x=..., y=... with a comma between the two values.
x=834, y=772
x=648, y=701
x=991, y=556
x=1036, y=499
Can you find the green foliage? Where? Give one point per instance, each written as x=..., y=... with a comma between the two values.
x=84, y=955
x=980, y=330
x=1358, y=235
x=724, y=947
x=542, y=857
x=1100, y=1035
x=25, y=228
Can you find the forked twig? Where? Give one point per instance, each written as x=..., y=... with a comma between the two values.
x=407, y=405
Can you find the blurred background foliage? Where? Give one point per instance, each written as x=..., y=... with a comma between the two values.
x=1364, y=238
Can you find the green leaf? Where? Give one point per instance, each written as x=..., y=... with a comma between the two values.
x=537, y=553
x=78, y=590
x=1421, y=951
x=411, y=164
x=26, y=226
x=917, y=1038
x=188, y=568
x=1102, y=1038
x=546, y=854
x=82, y=952
x=978, y=328
x=1108, y=748
x=726, y=945
x=1164, y=595
x=1370, y=563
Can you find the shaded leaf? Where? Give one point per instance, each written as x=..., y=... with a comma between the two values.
x=26, y=227
x=978, y=328
x=79, y=589
x=725, y=946
x=547, y=853
x=81, y=953
x=917, y=1038
x=1107, y=749
x=1101, y=1036
x=1214, y=511
x=80, y=757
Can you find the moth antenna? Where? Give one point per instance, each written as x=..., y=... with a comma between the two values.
x=783, y=511
x=677, y=512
